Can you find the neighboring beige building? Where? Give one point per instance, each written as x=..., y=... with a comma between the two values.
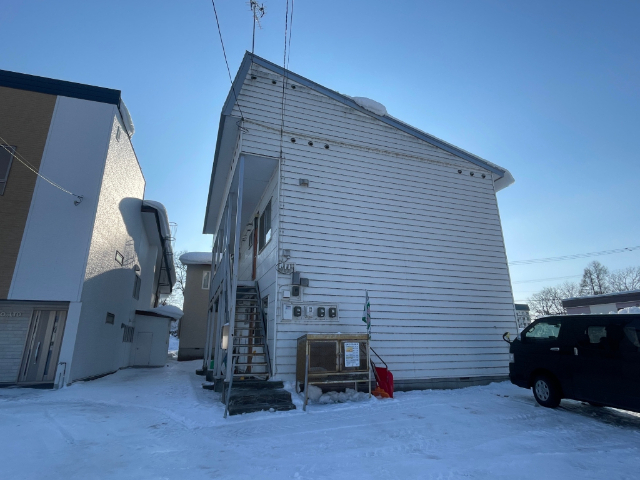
x=193, y=326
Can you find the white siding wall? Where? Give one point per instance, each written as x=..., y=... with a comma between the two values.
x=108, y=286
x=389, y=213
x=55, y=243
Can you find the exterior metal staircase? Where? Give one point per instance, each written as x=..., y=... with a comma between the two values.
x=250, y=353
x=248, y=389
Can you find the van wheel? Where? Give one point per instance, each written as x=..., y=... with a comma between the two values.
x=546, y=391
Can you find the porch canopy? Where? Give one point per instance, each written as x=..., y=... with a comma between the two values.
x=225, y=179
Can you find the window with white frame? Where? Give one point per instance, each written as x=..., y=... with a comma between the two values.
x=264, y=231
x=206, y=279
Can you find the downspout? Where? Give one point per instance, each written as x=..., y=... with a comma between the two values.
x=164, y=252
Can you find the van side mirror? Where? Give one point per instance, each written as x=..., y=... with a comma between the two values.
x=506, y=337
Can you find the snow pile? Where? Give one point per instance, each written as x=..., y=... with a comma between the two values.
x=350, y=395
x=126, y=119
x=196, y=258
x=150, y=423
x=170, y=311
x=371, y=105
x=629, y=310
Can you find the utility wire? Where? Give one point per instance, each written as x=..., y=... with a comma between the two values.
x=290, y=32
x=545, y=279
x=284, y=78
x=19, y=158
x=572, y=257
x=224, y=52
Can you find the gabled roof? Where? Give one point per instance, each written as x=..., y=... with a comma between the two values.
x=504, y=176
x=33, y=83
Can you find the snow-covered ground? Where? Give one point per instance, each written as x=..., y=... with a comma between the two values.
x=160, y=424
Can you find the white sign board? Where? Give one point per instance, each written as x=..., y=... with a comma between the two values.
x=351, y=354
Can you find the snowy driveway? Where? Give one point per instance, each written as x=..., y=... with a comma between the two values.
x=159, y=423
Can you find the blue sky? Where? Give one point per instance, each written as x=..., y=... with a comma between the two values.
x=549, y=90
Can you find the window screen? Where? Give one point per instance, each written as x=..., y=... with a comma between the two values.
x=127, y=334
x=265, y=227
x=6, y=158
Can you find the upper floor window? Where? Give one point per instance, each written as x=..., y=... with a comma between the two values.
x=6, y=159
x=206, y=279
x=264, y=233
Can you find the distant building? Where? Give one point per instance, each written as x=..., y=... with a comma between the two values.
x=608, y=302
x=79, y=275
x=522, y=315
x=192, y=330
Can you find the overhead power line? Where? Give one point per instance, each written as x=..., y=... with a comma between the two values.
x=285, y=66
x=224, y=52
x=572, y=257
x=545, y=279
x=23, y=161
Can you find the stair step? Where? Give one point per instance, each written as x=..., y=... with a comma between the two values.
x=247, y=400
x=248, y=355
x=254, y=364
x=257, y=384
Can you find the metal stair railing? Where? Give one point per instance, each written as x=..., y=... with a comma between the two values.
x=265, y=347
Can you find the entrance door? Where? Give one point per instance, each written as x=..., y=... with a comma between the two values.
x=143, y=349
x=40, y=358
x=597, y=363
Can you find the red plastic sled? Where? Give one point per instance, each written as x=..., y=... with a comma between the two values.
x=383, y=376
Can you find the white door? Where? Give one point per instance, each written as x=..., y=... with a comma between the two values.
x=143, y=349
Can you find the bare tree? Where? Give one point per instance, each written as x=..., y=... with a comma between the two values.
x=177, y=295
x=595, y=279
x=547, y=301
x=625, y=279
x=568, y=290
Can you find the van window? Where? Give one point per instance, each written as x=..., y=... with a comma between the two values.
x=596, y=333
x=632, y=336
x=544, y=331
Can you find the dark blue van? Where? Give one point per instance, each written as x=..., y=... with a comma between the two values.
x=591, y=358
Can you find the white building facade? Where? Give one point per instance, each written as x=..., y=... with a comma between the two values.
x=331, y=197
x=83, y=263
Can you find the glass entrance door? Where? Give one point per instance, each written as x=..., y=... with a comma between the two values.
x=40, y=358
